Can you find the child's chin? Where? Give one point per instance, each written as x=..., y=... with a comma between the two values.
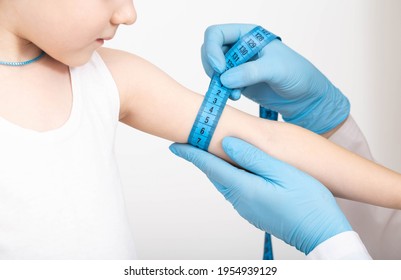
x=77, y=60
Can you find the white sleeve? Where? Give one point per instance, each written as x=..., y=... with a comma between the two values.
x=351, y=138
x=343, y=246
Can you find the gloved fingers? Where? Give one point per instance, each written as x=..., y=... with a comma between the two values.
x=206, y=64
x=266, y=67
x=235, y=94
x=216, y=169
x=247, y=74
x=229, y=193
x=268, y=98
x=216, y=36
x=262, y=94
x=201, y=159
x=258, y=162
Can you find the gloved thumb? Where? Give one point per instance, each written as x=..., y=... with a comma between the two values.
x=227, y=178
x=258, y=162
x=206, y=62
x=244, y=75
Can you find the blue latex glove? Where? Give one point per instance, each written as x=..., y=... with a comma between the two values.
x=273, y=196
x=279, y=79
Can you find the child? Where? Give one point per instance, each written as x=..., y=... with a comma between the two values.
x=60, y=192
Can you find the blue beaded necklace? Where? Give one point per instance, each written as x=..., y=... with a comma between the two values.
x=23, y=63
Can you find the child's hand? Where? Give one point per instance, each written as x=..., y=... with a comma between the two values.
x=273, y=196
x=280, y=80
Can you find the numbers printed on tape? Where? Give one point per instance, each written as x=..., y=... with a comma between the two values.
x=216, y=96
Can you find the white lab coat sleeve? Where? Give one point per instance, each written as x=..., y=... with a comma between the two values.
x=343, y=246
x=350, y=137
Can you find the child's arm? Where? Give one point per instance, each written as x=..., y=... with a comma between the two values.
x=155, y=103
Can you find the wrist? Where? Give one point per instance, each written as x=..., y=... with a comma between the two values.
x=346, y=246
x=334, y=130
x=324, y=114
x=337, y=226
x=324, y=231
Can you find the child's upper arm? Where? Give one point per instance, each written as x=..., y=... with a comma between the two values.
x=150, y=100
x=155, y=103
x=126, y=71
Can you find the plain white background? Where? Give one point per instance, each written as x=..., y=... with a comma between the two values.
x=174, y=210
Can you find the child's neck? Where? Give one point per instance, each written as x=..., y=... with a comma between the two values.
x=14, y=48
x=37, y=96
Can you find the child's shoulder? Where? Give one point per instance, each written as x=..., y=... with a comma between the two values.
x=119, y=62
x=125, y=66
x=131, y=73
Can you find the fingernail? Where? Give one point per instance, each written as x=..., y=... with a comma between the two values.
x=235, y=95
x=216, y=65
x=229, y=78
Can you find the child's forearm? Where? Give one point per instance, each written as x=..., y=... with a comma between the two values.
x=346, y=174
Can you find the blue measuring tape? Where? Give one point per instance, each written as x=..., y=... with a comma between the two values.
x=268, y=247
x=216, y=98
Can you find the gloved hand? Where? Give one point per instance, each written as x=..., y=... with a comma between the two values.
x=280, y=80
x=272, y=195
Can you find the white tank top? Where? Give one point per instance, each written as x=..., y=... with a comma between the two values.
x=60, y=190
